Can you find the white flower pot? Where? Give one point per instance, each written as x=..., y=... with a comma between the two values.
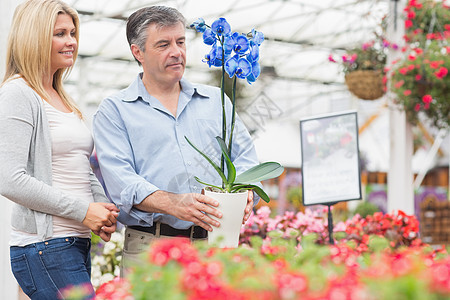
x=232, y=206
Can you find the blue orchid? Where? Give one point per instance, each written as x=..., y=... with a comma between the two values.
x=258, y=37
x=237, y=43
x=199, y=25
x=221, y=27
x=209, y=37
x=254, y=52
x=238, y=56
x=210, y=57
x=240, y=67
x=254, y=74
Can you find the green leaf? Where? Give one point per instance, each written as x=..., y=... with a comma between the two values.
x=230, y=166
x=219, y=171
x=260, y=172
x=208, y=184
x=252, y=187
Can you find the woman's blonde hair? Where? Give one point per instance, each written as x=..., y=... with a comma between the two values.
x=30, y=45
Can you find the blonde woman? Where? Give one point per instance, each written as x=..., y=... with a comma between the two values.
x=44, y=156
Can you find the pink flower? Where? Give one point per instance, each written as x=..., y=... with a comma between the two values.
x=399, y=84
x=418, y=77
x=407, y=92
x=116, y=289
x=417, y=107
x=330, y=58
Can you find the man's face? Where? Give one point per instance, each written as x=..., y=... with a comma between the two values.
x=164, y=59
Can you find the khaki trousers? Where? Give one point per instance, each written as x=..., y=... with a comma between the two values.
x=135, y=244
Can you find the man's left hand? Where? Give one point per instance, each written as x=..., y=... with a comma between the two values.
x=249, y=207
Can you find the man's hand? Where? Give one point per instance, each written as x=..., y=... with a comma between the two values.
x=190, y=207
x=249, y=208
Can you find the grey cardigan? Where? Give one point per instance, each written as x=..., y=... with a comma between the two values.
x=26, y=164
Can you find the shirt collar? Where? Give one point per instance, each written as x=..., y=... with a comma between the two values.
x=137, y=90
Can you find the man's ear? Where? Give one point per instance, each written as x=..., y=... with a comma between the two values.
x=137, y=53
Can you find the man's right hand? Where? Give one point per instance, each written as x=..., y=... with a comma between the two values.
x=190, y=207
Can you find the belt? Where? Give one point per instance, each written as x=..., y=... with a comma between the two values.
x=167, y=230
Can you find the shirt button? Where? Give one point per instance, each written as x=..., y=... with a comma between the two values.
x=189, y=163
x=194, y=187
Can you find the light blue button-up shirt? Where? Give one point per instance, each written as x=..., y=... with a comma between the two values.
x=141, y=147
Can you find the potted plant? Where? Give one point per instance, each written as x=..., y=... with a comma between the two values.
x=420, y=80
x=238, y=56
x=364, y=68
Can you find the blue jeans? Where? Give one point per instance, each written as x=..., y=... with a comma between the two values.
x=43, y=269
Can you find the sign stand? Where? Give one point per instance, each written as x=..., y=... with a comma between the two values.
x=330, y=161
x=330, y=223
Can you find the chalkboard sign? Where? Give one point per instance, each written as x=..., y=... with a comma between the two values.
x=330, y=159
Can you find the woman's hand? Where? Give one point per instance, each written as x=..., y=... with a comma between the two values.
x=99, y=215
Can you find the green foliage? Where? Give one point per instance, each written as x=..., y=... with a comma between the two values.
x=243, y=181
x=366, y=208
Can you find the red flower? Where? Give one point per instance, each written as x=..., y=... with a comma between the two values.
x=412, y=57
x=418, y=77
x=403, y=71
x=408, y=23
x=411, y=14
x=407, y=92
x=179, y=249
x=434, y=64
x=427, y=99
x=441, y=73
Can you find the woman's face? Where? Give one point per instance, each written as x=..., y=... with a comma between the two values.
x=64, y=43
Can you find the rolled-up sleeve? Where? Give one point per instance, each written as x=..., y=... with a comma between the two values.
x=116, y=159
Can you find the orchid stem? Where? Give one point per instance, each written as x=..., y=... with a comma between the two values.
x=224, y=117
x=233, y=114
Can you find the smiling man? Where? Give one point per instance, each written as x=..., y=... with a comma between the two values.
x=139, y=133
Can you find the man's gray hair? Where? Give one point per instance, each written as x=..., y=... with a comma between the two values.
x=141, y=19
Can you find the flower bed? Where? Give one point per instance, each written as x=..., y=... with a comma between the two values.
x=377, y=257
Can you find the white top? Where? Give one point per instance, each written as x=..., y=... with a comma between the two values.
x=72, y=145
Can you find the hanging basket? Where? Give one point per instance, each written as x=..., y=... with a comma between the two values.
x=365, y=84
